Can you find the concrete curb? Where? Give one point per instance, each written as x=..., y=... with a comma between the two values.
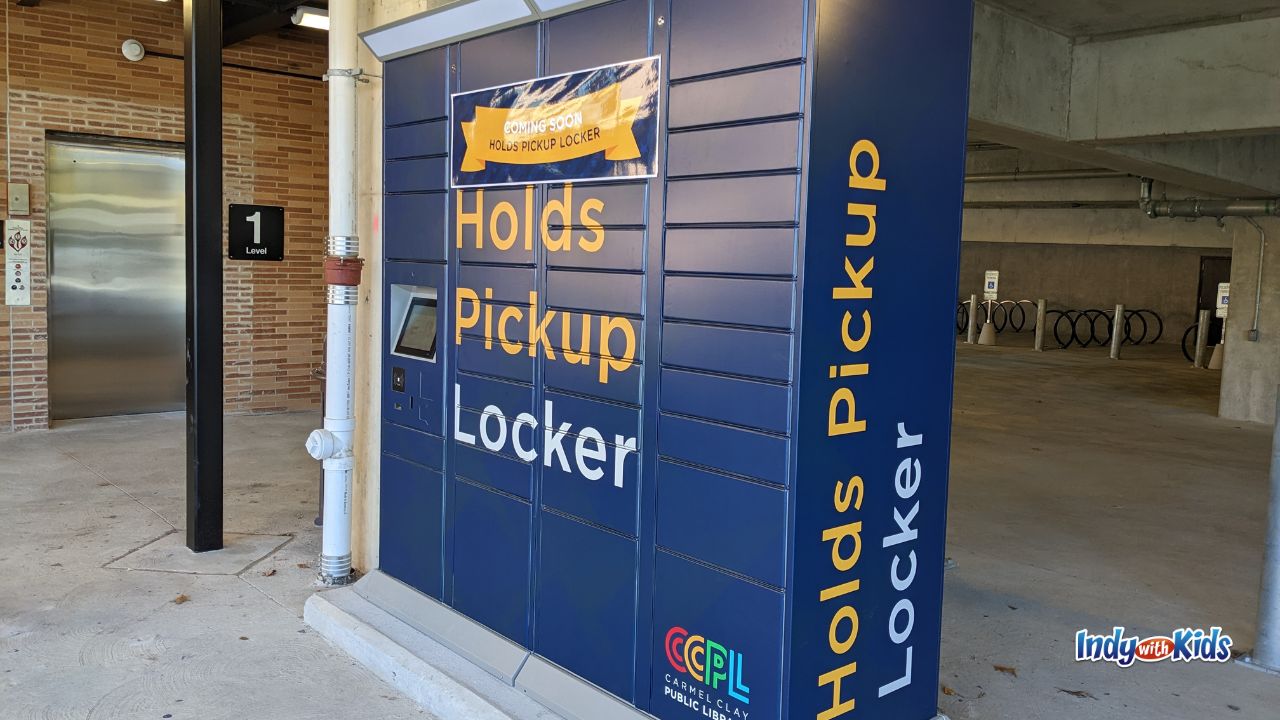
x=440, y=681
x=1249, y=662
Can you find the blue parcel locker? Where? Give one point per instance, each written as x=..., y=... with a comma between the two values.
x=667, y=360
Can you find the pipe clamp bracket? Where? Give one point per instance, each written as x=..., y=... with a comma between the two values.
x=343, y=246
x=358, y=74
x=343, y=271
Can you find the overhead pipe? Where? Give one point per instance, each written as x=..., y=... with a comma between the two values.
x=1049, y=205
x=1219, y=209
x=1042, y=175
x=983, y=146
x=1205, y=207
x=342, y=270
x=1212, y=208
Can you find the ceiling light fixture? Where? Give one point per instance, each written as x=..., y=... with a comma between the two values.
x=311, y=17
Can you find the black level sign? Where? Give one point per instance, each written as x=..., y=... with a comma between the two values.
x=256, y=232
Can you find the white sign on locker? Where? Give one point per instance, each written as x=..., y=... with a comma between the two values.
x=17, y=262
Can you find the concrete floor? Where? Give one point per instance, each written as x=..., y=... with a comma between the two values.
x=82, y=640
x=1085, y=493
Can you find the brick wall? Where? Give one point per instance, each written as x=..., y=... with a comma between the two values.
x=65, y=73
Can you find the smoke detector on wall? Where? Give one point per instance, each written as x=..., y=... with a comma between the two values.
x=133, y=50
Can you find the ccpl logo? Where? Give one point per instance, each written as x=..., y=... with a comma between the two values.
x=18, y=241
x=1185, y=645
x=707, y=661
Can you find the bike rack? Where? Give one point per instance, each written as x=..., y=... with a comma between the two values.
x=1081, y=328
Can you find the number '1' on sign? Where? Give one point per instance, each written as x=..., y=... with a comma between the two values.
x=255, y=232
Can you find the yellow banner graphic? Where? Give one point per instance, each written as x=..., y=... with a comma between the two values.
x=555, y=132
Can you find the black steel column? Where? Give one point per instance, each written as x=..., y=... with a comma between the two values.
x=203, y=73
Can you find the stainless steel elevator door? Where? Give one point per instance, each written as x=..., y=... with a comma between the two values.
x=117, y=281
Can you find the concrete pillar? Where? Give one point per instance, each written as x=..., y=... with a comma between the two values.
x=1251, y=371
x=366, y=515
x=1266, y=649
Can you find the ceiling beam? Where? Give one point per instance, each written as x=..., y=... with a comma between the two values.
x=245, y=19
x=262, y=4
x=256, y=25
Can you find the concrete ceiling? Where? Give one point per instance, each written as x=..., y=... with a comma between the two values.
x=243, y=19
x=1100, y=17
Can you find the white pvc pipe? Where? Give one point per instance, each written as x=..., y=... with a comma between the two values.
x=335, y=542
x=342, y=118
x=334, y=445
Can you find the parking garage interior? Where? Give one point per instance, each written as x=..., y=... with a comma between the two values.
x=1084, y=491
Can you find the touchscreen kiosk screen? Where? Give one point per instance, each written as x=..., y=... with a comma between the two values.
x=418, y=334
